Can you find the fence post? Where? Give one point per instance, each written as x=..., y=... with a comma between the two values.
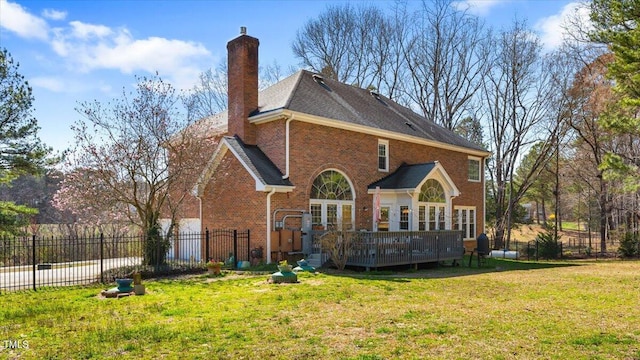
x=33, y=262
x=249, y=246
x=206, y=244
x=235, y=248
x=561, y=251
x=102, y=258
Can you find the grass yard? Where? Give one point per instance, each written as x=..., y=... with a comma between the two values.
x=507, y=310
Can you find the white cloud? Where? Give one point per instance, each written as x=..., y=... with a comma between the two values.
x=90, y=47
x=15, y=18
x=86, y=31
x=553, y=29
x=476, y=7
x=54, y=14
x=49, y=83
x=86, y=47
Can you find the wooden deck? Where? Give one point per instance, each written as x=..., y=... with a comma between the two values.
x=380, y=249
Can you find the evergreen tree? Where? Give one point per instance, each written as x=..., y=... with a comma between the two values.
x=20, y=149
x=616, y=24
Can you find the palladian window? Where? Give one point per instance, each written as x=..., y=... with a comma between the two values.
x=431, y=206
x=332, y=201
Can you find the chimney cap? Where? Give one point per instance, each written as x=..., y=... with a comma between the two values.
x=243, y=30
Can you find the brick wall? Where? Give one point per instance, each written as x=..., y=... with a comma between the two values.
x=315, y=148
x=231, y=201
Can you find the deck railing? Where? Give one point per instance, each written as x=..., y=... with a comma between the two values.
x=379, y=249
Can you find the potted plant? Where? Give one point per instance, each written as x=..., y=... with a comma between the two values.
x=284, y=266
x=214, y=267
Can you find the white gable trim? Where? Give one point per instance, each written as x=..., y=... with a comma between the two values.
x=210, y=168
x=216, y=159
x=440, y=174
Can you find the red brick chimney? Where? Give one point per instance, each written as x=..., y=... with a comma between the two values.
x=243, y=85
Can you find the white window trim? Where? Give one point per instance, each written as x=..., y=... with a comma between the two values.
x=339, y=203
x=465, y=227
x=480, y=170
x=386, y=146
x=440, y=208
x=324, y=202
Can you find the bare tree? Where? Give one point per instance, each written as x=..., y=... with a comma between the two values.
x=346, y=43
x=447, y=56
x=209, y=96
x=516, y=96
x=431, y=59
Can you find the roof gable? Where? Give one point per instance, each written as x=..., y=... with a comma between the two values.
x=411, y=177
x=257, y=163
x=266, y=175
x=405, y=177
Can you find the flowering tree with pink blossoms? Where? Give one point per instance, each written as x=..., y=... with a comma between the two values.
x=135, y=159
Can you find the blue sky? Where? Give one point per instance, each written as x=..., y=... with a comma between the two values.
x=74, y=51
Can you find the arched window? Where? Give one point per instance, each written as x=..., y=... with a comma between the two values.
x=431, y=206
x=431, y=191
x=332, y=201
x=331, y=185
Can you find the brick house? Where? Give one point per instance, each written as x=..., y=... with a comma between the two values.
x=313, y=145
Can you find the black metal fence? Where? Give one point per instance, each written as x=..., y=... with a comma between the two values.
x=570, y=248
x=32, y=262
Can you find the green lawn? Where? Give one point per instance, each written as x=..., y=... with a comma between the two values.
x=507, y=310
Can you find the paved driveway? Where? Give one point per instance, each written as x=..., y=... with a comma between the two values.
x=61, y=274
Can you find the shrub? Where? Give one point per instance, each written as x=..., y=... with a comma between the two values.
x=548, y=244
x=338, y=245
x=629, y=246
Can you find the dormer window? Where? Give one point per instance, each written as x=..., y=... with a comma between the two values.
x=383, y=155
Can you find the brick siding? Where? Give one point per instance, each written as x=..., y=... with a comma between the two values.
x=230, y=199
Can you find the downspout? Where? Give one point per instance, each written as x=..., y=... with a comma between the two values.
x=202, y=231
x=273, y=191
x=286, y=146
x=200, y=212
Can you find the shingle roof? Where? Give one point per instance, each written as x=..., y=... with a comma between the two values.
x=331, y=99
x=259, y=164
x=305, y=93
x=405, y=177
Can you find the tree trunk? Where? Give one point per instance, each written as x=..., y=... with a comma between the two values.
x=155, y=246
x=603, y=215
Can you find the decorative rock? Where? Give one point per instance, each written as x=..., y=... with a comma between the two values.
x=304, y=268
x=303, y=265
x=111, y=293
